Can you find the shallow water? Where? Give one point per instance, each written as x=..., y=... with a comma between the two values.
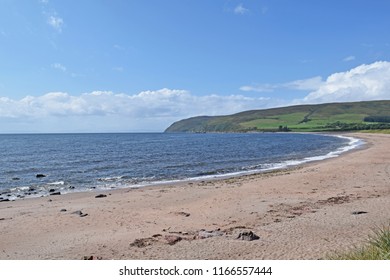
x=79, y=162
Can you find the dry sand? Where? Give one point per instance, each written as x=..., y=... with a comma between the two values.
x=301, y=213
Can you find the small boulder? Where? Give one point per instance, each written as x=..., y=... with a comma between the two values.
x=248, y=236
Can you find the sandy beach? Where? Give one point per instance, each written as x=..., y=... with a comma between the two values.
x=306, y=212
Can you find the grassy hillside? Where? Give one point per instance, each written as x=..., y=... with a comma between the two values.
x=320, y=117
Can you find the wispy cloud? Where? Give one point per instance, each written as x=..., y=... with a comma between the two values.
x=305, y=84
x=259, y=88
x=264, y=10
x=56, y=22
x=240, y=10
x=59, y=66
x=52, y=18
x=118, y=47
x=349, y=58
x=118, y=69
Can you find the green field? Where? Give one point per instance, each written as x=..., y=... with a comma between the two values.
x=300, y=118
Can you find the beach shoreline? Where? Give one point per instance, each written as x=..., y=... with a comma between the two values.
x=302, y=212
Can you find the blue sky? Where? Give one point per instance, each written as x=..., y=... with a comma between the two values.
x=127, y=65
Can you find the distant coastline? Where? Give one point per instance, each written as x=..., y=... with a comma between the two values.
x=333, y=117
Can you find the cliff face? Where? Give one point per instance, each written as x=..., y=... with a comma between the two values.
x=320, y=117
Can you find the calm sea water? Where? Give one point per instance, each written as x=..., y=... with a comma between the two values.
x=79, y=162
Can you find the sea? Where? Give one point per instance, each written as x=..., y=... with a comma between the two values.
x=34, y=165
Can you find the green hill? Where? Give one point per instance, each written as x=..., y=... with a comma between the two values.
x=320, y=117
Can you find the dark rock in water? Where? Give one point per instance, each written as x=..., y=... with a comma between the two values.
x=40, y=175
x=15, y=178
x=56, y=193
x=52, y=190
x=248, y=236
x=100, y=196
x=71, y=187
x=359, y=212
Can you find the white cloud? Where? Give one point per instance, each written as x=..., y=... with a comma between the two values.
x=240, y=10
x=55, y=22
x=349, y=58
x=107, y=111
x=365, y=82
x=59, y=66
